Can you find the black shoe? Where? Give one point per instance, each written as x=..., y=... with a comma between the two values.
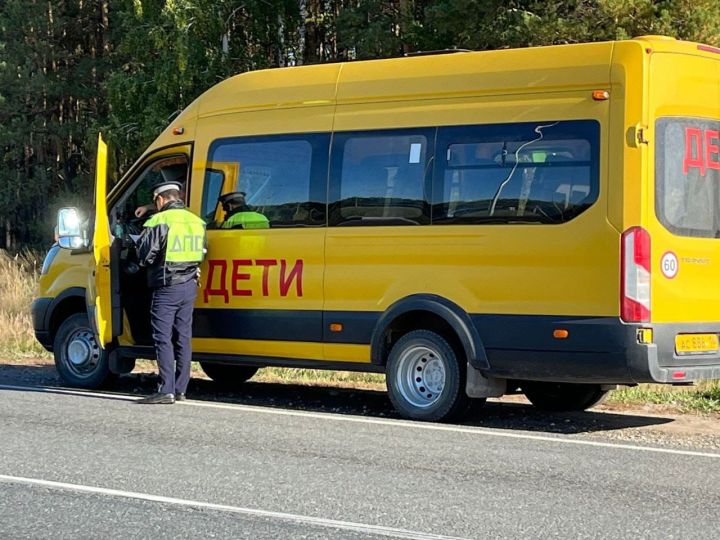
x=180, y=397
x=158, y=399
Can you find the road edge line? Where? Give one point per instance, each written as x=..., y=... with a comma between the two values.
x=297, y=518
x=328, y=416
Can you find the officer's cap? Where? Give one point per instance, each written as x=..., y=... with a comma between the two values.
x=164, y=186
x=237, y=197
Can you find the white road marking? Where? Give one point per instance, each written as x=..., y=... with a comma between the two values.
x=380, y=421
x=454, y=429
x=296, y=518
x=66, y=391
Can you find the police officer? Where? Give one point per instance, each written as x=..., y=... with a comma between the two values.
x=171, y=247
x=238, y=215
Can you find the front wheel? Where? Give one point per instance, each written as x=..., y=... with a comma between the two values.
x=424, y=378
x=79, y=359
x=563, y=396
x=228, y=375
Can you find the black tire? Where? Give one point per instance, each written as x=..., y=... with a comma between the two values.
x=563, y=396
x=434, y=393
x=228, y=375
x=80, y=361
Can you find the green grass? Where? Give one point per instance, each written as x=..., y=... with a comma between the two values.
x=305, y=377
x=373, y=381
x=703, y=398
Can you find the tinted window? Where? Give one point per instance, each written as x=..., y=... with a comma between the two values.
x=379, y=178
x=687, y=176
x=516, y=173
x=283, y=177
x=211, y=191
x=140, y=192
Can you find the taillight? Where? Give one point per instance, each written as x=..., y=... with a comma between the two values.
x=635, y=277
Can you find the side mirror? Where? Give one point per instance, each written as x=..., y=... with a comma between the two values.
x=71, y=233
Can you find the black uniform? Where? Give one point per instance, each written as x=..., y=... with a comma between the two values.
x=171, y=247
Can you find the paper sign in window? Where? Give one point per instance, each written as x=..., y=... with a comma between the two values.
x=415, y=150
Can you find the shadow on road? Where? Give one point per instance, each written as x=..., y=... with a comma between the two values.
x=29, y=375
x=495, y=415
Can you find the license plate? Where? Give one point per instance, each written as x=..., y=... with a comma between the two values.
x=696, y=343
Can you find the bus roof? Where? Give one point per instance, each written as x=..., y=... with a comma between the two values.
x=502, y=72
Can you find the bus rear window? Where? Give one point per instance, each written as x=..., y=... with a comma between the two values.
x=687, y=176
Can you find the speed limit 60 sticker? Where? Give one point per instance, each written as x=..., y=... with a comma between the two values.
x=669, y=265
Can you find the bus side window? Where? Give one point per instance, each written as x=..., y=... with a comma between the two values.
x=379, y=178
x=516, y=173
x=283, y=178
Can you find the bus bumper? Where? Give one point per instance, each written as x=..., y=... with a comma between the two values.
x=659, y=362
x=599, y=350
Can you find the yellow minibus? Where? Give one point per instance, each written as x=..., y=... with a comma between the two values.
x=541, y=220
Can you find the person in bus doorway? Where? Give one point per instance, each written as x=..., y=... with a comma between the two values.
x=146, y=210
x=238, y=215
x=171, y=170
x=171, y=248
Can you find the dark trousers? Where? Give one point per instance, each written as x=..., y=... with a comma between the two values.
x=171, y=319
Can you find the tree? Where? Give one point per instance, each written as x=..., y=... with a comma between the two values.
x=69, y=68
x=53, y=56
x=168, y=53
x=377, y=28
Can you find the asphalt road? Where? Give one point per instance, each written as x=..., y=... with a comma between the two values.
x=83, y=465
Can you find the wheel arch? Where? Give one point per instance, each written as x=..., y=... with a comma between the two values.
x=65, y=304
x=437, y=311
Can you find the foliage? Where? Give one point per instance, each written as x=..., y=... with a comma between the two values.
x=374, y=28
x=69, y=68
x=51, y=84
x=170, y=52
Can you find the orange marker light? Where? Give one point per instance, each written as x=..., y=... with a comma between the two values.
x=560, y=333
x=600, y=95
x=178, y=130
x=336, y=327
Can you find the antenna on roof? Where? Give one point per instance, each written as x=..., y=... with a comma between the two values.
x=440, y=51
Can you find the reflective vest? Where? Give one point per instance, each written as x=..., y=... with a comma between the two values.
x=185, y=235
x=246, y=220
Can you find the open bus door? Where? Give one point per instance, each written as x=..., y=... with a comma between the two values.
x=99, y=292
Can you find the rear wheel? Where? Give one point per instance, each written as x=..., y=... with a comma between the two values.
x=228, y=375
x=424, y=378
x=563, y=396
x=79, y=359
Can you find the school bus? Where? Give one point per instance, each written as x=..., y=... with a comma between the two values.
x=540, y=220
